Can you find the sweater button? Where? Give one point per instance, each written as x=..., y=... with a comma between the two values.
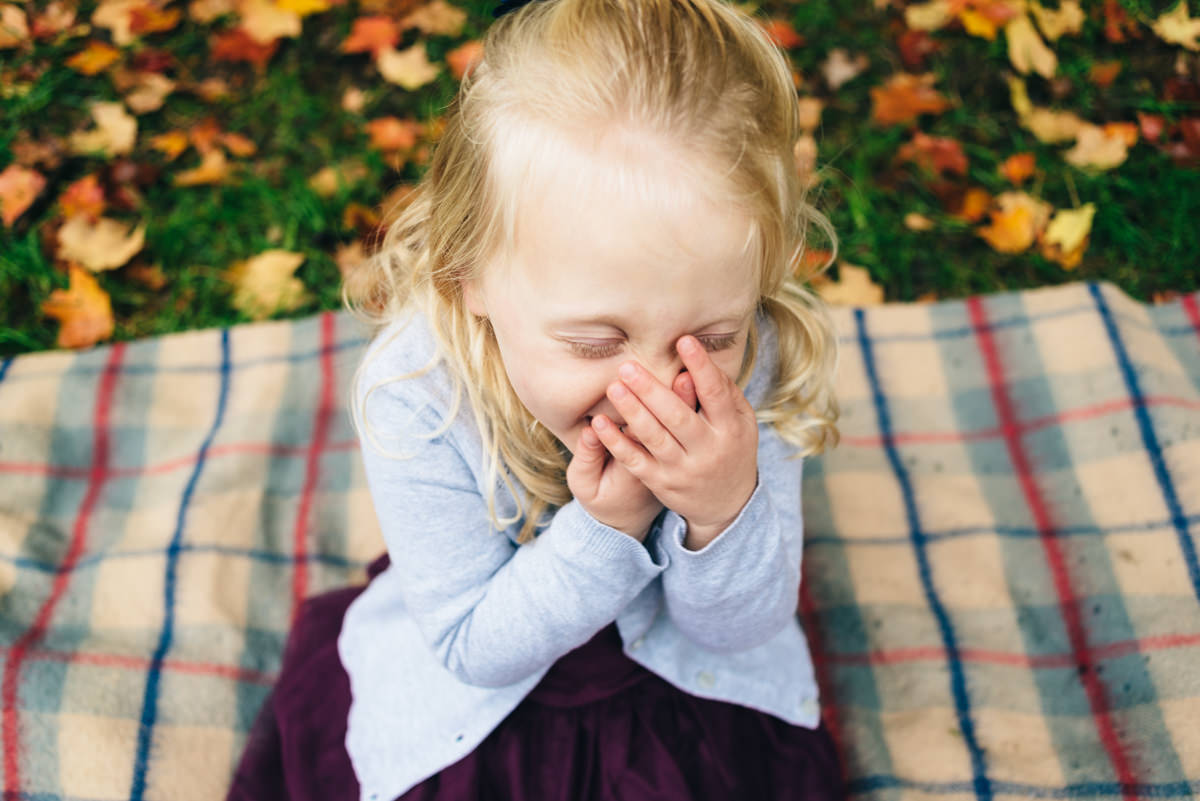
x=636, y=644
x=809, y=706
x=705, y=679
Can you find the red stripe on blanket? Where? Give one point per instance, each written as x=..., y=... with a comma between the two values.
x=312, y=471
x=1192, y=309
x=142, y=665
x=1112, y=650
x=97, y=476
x=1067, y=603
x=1069, y=416
x=812, y=628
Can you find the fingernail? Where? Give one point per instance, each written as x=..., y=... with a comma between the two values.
x=599, y=422
x=619, y=391
x=627, y=371
x=687, y=345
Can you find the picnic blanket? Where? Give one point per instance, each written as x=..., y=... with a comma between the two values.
x=1002, y=589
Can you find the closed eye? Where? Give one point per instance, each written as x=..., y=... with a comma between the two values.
x=601, y=350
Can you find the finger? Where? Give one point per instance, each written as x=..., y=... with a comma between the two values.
x=713, y=387
x=639, y=419
x=587, y=462
x=671, y=413
x=685, y=388
x=624, y=450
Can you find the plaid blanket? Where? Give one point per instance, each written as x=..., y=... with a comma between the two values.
x=1002, y=587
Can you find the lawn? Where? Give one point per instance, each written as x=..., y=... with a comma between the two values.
x=244, y=150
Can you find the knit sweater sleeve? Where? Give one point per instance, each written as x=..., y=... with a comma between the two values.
x=493, y=613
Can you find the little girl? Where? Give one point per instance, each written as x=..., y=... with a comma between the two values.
x=594, y=373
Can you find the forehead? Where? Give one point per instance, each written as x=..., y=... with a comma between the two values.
x=621, y=227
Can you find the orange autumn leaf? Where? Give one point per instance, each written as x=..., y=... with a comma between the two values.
x=14, y=26
x=904, y=96
x=975, y=203
x=370, y=35
x=94, y=59
x=213, y=169
x=462, y=58
x=1103, y=73
x=19, y=187
x=171, y=143
x=1127, y=131
x=1118, y=23
x=392, y=133
x=238, y=46
x=1018, y=167
x=152, y=19
x=84, y=197
x=782, y=33
x=1017, y=220
x=238, y=145
x=83, y=309
x=937, y=154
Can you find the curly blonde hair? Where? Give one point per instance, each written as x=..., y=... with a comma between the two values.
x=698, y=73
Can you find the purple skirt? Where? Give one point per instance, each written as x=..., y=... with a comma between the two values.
x=598, y=726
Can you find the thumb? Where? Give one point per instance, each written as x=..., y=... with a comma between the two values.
x=587, y=462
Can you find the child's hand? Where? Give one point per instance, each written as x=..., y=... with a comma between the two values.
x=607, y=490
x=703, y=465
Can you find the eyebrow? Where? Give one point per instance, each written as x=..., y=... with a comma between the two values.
x=616, y=322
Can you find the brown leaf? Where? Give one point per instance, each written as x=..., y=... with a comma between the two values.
x=370, y=35
x=54, y=19
x=266, y=284
x=213, y=169
x=150, y=276
x=1018, y=167
x=936, y=154
x=1103, y=73
x=237, y=45
x=148, y=18
x=915, y=48
x=84, y=309
x=84, y=197
x=101, y=245
x=19, y=187
x=1117, y=23
x=238, y=145
x=904, y=96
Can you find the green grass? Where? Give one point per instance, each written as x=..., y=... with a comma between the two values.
x=1145, y=237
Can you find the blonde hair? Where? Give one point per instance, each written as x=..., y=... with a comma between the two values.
x=696, y=73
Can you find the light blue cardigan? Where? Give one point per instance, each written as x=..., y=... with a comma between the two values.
x=464, y=623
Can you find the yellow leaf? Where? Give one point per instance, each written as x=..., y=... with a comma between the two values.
x=929, y=16
x=408, y=68
x=1027, y=51
x=213, y=169
x=854, y=289
x=1067, y=18
x=101, y=245
x=114, y=134
x=977, y=24
x=84, y=309
x=436, y=18
x=266, y=284
x=19, y=187
x=304, y=7
x=1051, y=126
x=171, y=143
x=1016, y=222
x=1178, y=28
x=1098, y=148
x=264, y=22
x=1066, y=237
x=117, y=16
x=93, y=59
x=14, y=27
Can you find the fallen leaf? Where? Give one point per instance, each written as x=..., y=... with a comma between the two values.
x=937, y=154
x=1097, y=148
x=94, y=59
x=1018, y=167
x=19, y=187
x=905, y=96
x=1127, y=131
x=1027, y=51
x=327, y=181
x=370, y=35
x=975, y=203
x=214, y=89
x=150, y=276
x=854, y=288
x=205, y=135
x=213, y=169
x=462, y=58
x=917, y=222
x=805, y=154
x=54, y=19
x=1176, y=27
x=266, y=284
x=781, y=32
x=149, y=93
x=1152, y=126
x=101, y=245
x=1066, y=237
x=838, y=68
x=1017, y=219
x=1067, y=18
x=392, y=133
x=930, y=16
x=1103, y=73
x=171, y=143
x=1117, y=23
x=809, y=113
x=148, y=18
x=304, y=8
x=977, y=24
x=83, y=309
x=409, y=68
x=915, y=47
x=348, y=257
x=353, y=100
x=114, y=134
x=265, y=22
x=14, y=27
x=116, y=16
x=436, y=18
x=84, y=197
x=205, y=11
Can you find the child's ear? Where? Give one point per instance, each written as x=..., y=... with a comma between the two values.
x=473, y=298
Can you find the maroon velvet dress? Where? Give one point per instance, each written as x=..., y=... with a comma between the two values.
x=598, y=727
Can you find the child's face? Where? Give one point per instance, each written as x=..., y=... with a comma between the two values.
x=652, y=275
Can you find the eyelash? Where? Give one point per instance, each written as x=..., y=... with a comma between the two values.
x=590, y=351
